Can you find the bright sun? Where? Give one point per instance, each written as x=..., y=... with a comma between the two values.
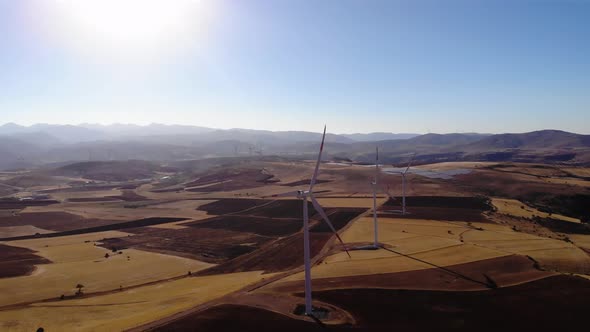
x=127, y=25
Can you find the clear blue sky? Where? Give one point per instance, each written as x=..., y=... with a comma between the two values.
x=359, y=66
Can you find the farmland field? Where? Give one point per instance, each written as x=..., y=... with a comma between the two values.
x=207, y=250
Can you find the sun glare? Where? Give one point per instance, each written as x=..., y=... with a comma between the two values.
x=127, y=25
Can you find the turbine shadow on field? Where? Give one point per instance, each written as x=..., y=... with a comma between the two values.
x=454, y=273
x=318, y=322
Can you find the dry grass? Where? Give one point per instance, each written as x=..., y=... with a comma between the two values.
x=77, y=260
x=122, y=211
x=442, y=244
x=12, y=231
x=568, y=181
x=455, y=165
x=578, y=171
x=62, y=196
x=516, y=208
x=365, y=202
x=126, y=309
x=175, y=224
x=381, y=261
x=581, y=240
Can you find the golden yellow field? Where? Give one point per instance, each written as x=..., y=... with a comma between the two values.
x=125, y=309
x=61, y=196
x=456, y=165
x=13, y=231
x=512, y=207
x=578, y=171
x=77, y=260
x=118, y=211
x=365, y=202
x=439, y=243
x=137, y=287
x=581, y=240
x=568, y=181
x=422, y=239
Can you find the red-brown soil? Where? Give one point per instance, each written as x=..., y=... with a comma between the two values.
x=111, y=170
x=276, y=226
x=111, y=225
x=130, y=196
x=257, y=207
x=339, y=217
x=129, y=186
x=431, y=213
x=9, y=204
x=282, y=209
x=273, y=218
x=480, y=275
x=243, y=319
x=209, y=245
x=477, y=203
x=304, y=182
x=279, y=255
x=556, y=303
x=15, y=261
x=80, y=189
x=233, y=180
x=168, y=190
x=501, y=184
x=92, y=199
x=258, y=225
x=439, y=208
x=54, y=221
x=231, y=205
x=562, y=226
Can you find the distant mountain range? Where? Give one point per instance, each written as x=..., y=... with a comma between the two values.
x=42, y=144
x=179, y=134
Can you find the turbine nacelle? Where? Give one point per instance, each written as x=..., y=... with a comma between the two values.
x=302, y=194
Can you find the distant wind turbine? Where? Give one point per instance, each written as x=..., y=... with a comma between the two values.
x=375, y=186
x=374, y=183
x=403, y=174
x=306, y=195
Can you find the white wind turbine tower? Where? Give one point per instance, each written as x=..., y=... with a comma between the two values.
x=374, y=183
x=306, y=195
x=403, y=174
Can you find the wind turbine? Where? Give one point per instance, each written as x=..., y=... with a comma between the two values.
x=403, y=174
x=305, y=196
x=374, y=184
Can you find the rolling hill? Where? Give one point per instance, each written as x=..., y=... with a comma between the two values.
x=543, y=139
x=45, y=144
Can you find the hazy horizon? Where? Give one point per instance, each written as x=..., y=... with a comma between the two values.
x=312, y=130
x=358, y=66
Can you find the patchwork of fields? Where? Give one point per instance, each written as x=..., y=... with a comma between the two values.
x=212, y=250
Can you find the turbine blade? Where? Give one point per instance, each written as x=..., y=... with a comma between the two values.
x=410, y=163
x=322, y=213
x=387, y=192
x=317, y=165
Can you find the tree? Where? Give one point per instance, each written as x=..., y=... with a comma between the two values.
x=79, y=287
